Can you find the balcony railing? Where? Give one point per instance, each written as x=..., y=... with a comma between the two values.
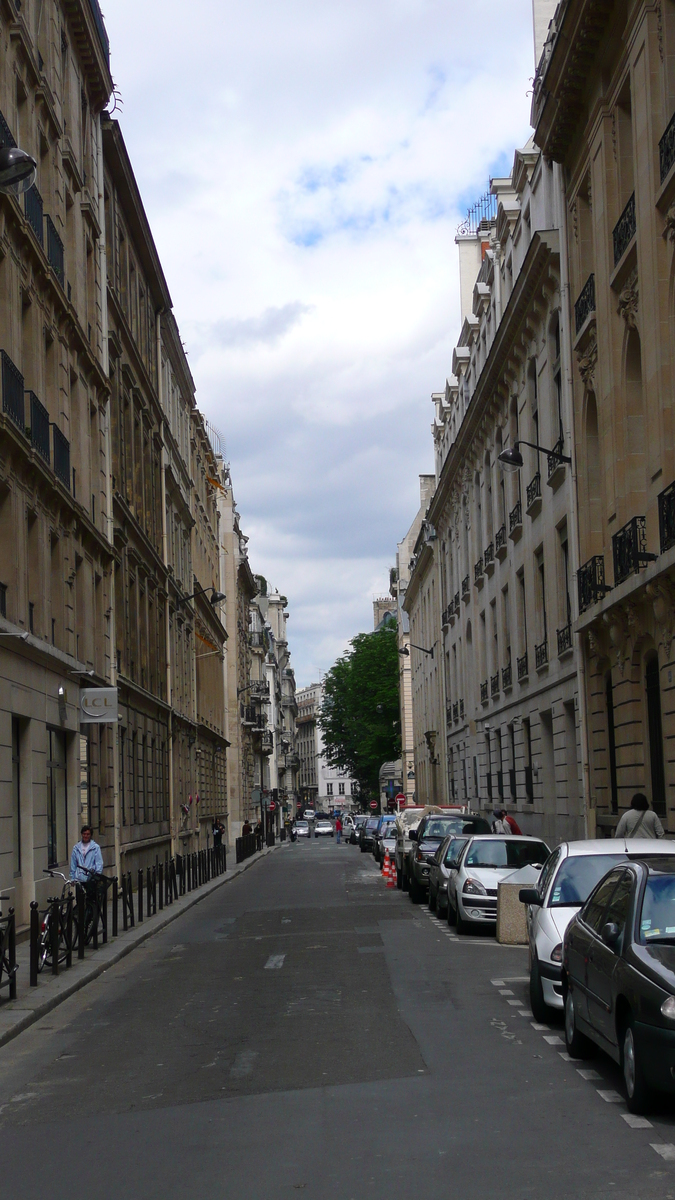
x=12, y=392
x=564, y=639
x=266, y=741
x=461, y=710
x=61, y=457
x=541, y=654
x=534, y=490
x=33, y=208
x=494, y=684
x=591, y=582
x=489, y=555
x=500, y=539
x=667, y=518
x=478, y=570
x=521, y=667
x=585, y=304
x=629, y=547
x=455, y=712
x=554, y=458
x=39, y=426
x=256, y=637
x=466, y=587
x=515, y=516
x=457, y=603
x=507, y=677
x=55, y=250
x=624, y=230
x=667, y=148
x=484, y=692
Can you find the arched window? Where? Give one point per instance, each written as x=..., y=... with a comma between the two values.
x=655, y=729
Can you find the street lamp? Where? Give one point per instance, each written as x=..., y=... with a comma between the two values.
x=512, y=460
x=216, y=597
x=17, y=170
x=405, y=651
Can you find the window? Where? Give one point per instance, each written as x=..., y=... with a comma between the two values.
x=620, y=902
x=16, y=793
x=85, y=779
x=354, y=787
x=341, y=789
x=594, y=912
x=329, y=789
x=57, y=811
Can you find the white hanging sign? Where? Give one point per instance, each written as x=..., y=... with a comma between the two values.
x=98, y=706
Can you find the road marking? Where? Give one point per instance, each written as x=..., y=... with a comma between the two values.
x=515, y=978
x=637, y=1122
x=275, y=962
x=514, y=1003
x=524, y=1012
x=553, y=1039
x=610, y=1096
x=588, y=1074
x=665, y=1149
x=565, y=1056
x=497, y=982
x=505, y=992
x=538, y=1027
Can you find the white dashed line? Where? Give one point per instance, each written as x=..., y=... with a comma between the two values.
x=565, y=1056
x=505, y=992
x=538, y=1027
x=514, y=1003
x=610, y=1096
x=524, y=1012
x=275, y=962
x=553, y=1039
x=588, y=1074
x=665, y=1149
x=497, y=982
x=637, y=1122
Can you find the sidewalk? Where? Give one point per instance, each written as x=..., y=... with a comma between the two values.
x=33, y=1003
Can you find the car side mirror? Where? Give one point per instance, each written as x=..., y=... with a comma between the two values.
x=452, y=865
x=413, y=835
x=611, y=934
x=530, y=896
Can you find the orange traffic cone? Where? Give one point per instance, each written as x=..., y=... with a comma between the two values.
x=385, y=866
x=391, y=882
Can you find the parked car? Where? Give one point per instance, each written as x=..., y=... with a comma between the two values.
x=619, y=976
x=383, y=824
x=426, y=839
x=367, y=833
x=359, y=820
x=309, y=814
x=388, y=841
x=301, y=828
x=482, y=863
x=323, y=828
x=439, y=871
x=566, y=881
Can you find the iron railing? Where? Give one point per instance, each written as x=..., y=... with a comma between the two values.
x=484, y=692
x=500, y=539
x=667, y=148
x=521, y=666
x=61, y=457
x=478, y=570
x=12, y=392
x=554, y=458
x=8, y=967
x=494, y=684
x=55, y=251
x=629, y=547
x=515, y=516
x=489, y=555
x=585, y=304
x=266, y=741
x=466, y=588
x=667, y=518
x=534, y=490
x=445, y=617
x=32, y=202
x=39, y=427
x=461, y=710
x=507, y=675
x=455, y=711
x=624, y=230
x=591, y=582
x=564, y=639
x=457, y=602
x=256, y=638
x=6, y=135
x=541, y=654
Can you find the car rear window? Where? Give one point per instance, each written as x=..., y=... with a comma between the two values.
x=372, y=823
x=442, y=826
x=578, y=875
x=509, y=853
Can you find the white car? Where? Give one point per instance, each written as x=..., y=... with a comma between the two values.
x=482, y=864
x=565, y=883
x=388, y=841
x=323, y=828
x=301, y=829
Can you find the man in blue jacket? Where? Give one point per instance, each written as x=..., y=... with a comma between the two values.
x=86, y=853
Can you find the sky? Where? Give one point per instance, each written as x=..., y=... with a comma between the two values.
x=304, y=165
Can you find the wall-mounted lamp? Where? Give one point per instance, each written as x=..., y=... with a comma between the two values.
x=512, y=459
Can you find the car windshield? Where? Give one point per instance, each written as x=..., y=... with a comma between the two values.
x=578, y=876
x=454, y=848
x=442, y=826
x=301, y=824
x=372, y=823
x=657, y=919
x=507, y=853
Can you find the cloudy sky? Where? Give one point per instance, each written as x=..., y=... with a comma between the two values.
x=304, y=164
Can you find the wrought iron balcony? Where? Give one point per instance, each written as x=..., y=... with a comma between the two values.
x=629, y=547
x=448, y=714
x=507, y=677
x=39, y=426
x=554, y=458
x=500, y=539
x=457, y=603
x=61, y=457
x=478, y=571
x=484, y=692
x=466, y=588
x=515, y=516
x=533, y=490
x=256, y=638
x=521, y=667
x=12, y=392
x=667, y=148
x=32, y=202
x=266, y=741
x=591, y=582
x=489, y=555
x=55, y=251
x=624, y=230
x=585, y=304
x=494, y=684
x=541, y=654
x=455, y=712
x=667, y=518
x=461, y=710
x=564, y=639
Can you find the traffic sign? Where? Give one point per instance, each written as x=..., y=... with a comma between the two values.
x=373, y=804
x=399, y=798
x=273, y=805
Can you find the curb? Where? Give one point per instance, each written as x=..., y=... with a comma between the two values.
x=120, y=952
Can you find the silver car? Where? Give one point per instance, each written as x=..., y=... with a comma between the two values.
x=447, y=854
x=566, y=881
x=323, y=828
x=483, y=862
x=388, y=842
x=301, y=829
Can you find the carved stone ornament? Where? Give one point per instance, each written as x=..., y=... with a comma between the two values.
x=596, y=648
x=669, y=226
x=662, y=595
x=587, y=360
x=628, y=301
x=619, y=636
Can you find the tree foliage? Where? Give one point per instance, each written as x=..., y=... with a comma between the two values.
x=360, y=719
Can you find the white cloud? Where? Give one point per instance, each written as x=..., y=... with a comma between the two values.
x=304, y=167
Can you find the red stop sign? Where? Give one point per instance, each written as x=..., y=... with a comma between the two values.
x=373, y=804
x=273, y=805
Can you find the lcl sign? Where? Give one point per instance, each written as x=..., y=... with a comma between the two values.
x=98, y=706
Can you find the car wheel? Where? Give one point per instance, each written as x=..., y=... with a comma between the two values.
x=441, y=905
x=540, y=1009
x=399, y=879
x=452, y=914
x=578, y=1045
x=638, y=1091
x=432, y=900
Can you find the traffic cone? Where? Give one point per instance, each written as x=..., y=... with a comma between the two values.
x=385, y=866
x=391, y=882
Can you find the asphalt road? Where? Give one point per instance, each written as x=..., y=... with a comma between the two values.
x=306, y=1030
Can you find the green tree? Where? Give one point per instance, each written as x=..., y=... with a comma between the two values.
x=360, y=719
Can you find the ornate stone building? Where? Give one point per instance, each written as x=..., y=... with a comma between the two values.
x=603, y=107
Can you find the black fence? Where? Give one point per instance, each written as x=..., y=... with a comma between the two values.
x=8, y=966
x=248, y=844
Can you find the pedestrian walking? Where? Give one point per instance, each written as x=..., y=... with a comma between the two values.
x=639, y=821
x=499, y=825
x=86, y=854
x=338, y=829
x=512, y=823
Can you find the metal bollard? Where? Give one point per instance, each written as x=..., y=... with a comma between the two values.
x=11, y=951
x=161, y=886
x=94, y=940
x=79, y=893
x=140, y=895
x=34, y=942
x=130, y=897
x=104, y=915
x=69, y=931
x=54, y=934
x=148, y=892
x=115, y=900
x=125, y=916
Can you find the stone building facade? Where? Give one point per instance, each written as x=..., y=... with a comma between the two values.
x=603, y=108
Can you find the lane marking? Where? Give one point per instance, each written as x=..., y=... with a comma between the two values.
x=505, y=992
x=610, y=1096
x=565, y=1056
x=588, y=1074
x=637, y=1122
x=514, y=1003
x=497, y=982
x=665, y=1149
x=524, y=1012
x=553, y=1039
x=275, y=962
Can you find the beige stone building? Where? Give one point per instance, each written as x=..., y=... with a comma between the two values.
x=603, y=108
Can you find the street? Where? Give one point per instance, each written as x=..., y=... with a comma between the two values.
x=305, y=1029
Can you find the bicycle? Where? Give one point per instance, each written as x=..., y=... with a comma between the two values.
x=93, y=914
